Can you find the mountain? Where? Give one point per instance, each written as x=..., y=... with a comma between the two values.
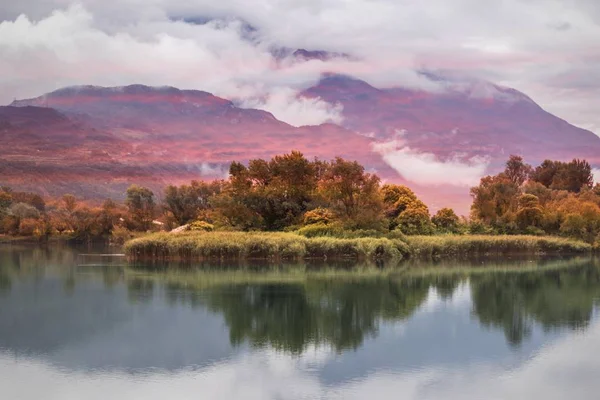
x=152, y=136
x=468, y=119
x=45, y=151
x=94, y=141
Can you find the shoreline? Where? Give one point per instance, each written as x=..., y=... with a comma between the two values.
x=274, y=246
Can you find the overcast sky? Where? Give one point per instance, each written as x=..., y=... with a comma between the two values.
x=549, y=49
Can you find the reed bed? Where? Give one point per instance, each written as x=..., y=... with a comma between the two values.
x=458, y=246
x=275, y=246
x=261, y=245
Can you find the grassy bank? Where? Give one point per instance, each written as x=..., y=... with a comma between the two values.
x=261, y=245
x=197, y=246
x=457, y=246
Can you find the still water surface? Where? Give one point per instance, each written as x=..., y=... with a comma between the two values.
x=74, y=327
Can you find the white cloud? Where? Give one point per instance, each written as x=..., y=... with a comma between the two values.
x=596, y=172
x=564, y=369
x=67, y=49
x=214, y=170
x=297, y=111
x=546, y=48
x=427, y=169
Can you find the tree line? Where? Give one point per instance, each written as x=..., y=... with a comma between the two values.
x=290, y=192
x=554, y=198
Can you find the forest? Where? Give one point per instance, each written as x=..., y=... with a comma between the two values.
x=315, y=198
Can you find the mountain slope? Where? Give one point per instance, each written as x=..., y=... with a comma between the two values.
x=470, y=119
x=166, y=135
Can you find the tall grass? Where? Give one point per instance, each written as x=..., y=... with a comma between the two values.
x=260, y=245
x=198, y=246
x=338, y=231
x=456, y=246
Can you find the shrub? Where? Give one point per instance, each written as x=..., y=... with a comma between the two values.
x=24, y=211
x=446, y=221
x=478, y=227
x=534, y=230
x=321, y=229
x=396, y=234
x=120, y=235
x=415, y=221
x=28, y=227
x=201, y=226
x=319, y=215
x=10, y=225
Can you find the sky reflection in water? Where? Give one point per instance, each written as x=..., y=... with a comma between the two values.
x=69, y=332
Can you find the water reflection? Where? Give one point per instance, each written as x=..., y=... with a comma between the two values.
x=292, y=317
x=333, y=334
x=294, y=311
x=553, y=299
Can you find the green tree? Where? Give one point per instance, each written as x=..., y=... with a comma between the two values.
x=540, y=191
x=415, y=221
x=140, y=204
x=186, y=202
x=278, y=191
x=573, y=176
x=516, y=170
x=529, y=212
x=108, y=217
x=69, y=202
x=5, y=201
x=545, y=173
x=352, y=193
x=397, y=198
x=32, y=199
x=559, y=175
x=23, y=211
x=318, y=216
x=446, y=220
x=581, y=220
x=493, y=199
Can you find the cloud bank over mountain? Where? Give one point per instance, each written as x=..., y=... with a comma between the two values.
x=427, y=169
x=546, y=48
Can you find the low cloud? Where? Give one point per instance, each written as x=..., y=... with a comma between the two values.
x=298, y=111
x=218, y=171
x=427, y=169
x=596, y=172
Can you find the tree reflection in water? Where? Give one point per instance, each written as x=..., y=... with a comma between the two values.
x=342, y=312
x=555, y=299
x=290, y=317
x=305, y=308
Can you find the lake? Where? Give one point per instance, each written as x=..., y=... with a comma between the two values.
x=90, y=327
